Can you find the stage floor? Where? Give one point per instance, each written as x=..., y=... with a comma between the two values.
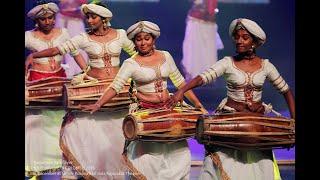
x=287, y=173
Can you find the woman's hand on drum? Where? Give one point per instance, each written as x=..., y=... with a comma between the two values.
x=91, y=107
x=177, y=97
x=202, y=109
x=28, y=62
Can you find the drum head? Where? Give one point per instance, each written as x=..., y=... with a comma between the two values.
x=129, y=128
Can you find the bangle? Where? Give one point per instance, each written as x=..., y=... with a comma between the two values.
x=85, y=70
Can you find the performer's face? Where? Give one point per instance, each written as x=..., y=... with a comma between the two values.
x=144, y=42
x=46, y=22
x=94, y=21
x=243, y=41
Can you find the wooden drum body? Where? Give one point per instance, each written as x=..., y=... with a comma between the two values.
x=161, y=125
x=45, y=92
x=246, y=131
x=84, y=94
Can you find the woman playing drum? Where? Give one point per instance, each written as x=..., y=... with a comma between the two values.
x=245, y=74
x=150, y=69
x=42, y=126
x=93, y=143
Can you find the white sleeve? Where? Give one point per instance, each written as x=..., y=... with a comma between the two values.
x=123, y=75
x=67, y=37
x=215, y=71
x=72, y=44
x=127, y=44
x=174, y=74
x=27, y=40
x=275, y=78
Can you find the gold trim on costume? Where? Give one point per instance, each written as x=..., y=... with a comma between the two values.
x=216, y=160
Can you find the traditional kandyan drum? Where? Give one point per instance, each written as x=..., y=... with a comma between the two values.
x=246, y=131
x=161, y=125
x=46, y=92
x=89, y=93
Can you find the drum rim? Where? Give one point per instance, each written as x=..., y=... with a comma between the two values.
x=135, y=126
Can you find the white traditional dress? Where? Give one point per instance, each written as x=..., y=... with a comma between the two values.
x=93, y=144
x=156, y=161
x=42, y=126
x=201, y=41
x=246, y=88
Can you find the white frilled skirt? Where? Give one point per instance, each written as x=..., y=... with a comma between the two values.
x=42, y=150
x=161, y=161
x=200, y=45
x=241, y=165
x=93, y=145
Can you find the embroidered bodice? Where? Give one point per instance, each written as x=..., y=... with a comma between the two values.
x=100, y=54
x=148, y=78
x=243, y=86
x=34, y=43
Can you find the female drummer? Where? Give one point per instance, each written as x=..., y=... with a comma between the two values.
x=245, y=74
x=150, y=69
x=102, y=43
x=42, y=126
x=92, y=144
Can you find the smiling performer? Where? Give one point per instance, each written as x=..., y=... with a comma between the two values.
x=42, y=123
x=245, y=74
x=149, y=70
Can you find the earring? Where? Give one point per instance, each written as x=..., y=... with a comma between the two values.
x=105, y=26
x=252, y=48
x=36, y=25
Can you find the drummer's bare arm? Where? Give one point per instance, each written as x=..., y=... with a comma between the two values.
x=280, y=84
x=28, y=63
x=114, y=88
x=55, y=51
x=107, y=96
x=191, y=97
x=178, y=96
x=179, y=82
x=80, y=61
x=290, y=101
x=46, y=53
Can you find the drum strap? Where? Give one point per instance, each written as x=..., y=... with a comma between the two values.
x=216, y=160
x=246, y=106
x=134, y=171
